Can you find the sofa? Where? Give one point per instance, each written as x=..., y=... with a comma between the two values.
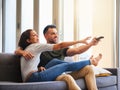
x=10, y=78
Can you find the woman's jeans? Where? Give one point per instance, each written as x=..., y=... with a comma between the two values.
x=55, y=68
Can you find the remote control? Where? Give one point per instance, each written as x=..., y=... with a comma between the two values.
x=98, y=38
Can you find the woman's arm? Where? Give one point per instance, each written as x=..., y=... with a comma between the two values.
x=64, y=44
x=27, y=55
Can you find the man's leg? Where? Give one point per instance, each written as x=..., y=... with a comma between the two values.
x=72, y=85
x=88, y=74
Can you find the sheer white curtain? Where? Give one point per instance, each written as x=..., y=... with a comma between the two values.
x=82, y=18
x=96, y=18
x=85, y=11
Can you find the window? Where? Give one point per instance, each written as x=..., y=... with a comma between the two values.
x=68, y=20
x=24, y=19
x=27, y=15
x=45, y=14
x=0, y=25
x=75, y=20
x=9, y=36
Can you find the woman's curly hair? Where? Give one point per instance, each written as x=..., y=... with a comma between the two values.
x=23, y=39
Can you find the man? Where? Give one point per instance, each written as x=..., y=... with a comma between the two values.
x=51, y=36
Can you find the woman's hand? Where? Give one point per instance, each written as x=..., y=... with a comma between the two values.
x=27, y=55
x=41, y=69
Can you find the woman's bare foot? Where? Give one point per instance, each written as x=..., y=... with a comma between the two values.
x=95, y=61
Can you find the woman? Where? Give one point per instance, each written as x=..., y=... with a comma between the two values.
x=29, y=41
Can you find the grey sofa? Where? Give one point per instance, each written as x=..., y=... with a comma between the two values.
x=10, y=78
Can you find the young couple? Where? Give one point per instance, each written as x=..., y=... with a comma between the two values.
x=45, y=62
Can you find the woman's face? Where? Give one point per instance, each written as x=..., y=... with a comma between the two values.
x=33, y=37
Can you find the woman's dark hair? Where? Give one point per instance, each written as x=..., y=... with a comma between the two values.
x=23, y=39
x=47, y=27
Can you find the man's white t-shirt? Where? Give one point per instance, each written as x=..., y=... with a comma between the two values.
x=31, y=65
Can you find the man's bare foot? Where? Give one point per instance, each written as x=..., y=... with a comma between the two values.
x=95, y=61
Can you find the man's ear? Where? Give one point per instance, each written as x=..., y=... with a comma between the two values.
x=46, y=36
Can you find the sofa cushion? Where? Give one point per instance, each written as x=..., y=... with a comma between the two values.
x=50, y=85
x=109, y=88
x=10, y=68
x=106, y=81
x=102, y=83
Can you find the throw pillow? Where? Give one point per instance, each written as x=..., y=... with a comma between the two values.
x=100, y=72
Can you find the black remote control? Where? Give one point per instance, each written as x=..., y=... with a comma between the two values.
x=98, y=38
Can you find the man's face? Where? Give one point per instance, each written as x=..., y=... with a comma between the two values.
x=51, y=36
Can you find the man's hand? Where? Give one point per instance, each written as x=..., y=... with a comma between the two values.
x=41, y=69
x=94, y=41
x=27, y=55
x=85, y=40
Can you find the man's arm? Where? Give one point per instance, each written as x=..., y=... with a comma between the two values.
x=27, y=55
x=81, y=49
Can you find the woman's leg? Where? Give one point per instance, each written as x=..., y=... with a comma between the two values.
x=58, y=61
x=53, y=62
x=54, y=71
x=49, y=74
x=93, y=61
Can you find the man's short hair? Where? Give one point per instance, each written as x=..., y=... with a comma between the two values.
x=47, y=27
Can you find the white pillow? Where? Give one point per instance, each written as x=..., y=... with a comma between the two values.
x=101, y=71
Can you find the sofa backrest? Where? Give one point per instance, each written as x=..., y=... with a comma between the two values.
x=10, y=67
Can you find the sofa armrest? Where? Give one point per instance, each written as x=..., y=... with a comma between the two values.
x=10, y=67
x=115, y=71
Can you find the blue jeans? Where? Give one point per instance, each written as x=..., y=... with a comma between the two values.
x=53, y=62
x=55, y=68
